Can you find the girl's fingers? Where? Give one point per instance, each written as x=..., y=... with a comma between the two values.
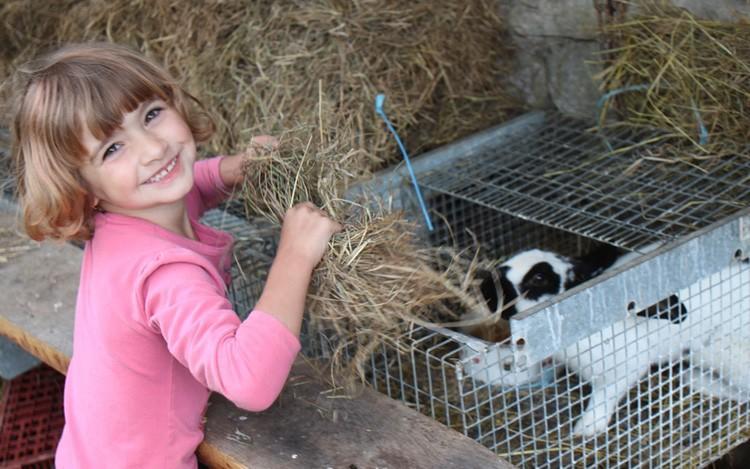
x=265, y=142
x=260, y=144
x=334, y=226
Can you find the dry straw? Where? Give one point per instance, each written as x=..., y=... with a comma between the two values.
x=269, y=65
x=378, y=278
x=683, y=74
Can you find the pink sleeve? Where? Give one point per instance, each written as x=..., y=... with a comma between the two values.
x=209, y=189
x=248, y=362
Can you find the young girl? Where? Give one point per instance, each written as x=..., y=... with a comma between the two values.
x=105, y=147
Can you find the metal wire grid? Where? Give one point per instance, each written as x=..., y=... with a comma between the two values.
x=528, y=424
x=661, y=422
x=672, y=416
x=563, y=175
x=254, y=248
x=467, y=225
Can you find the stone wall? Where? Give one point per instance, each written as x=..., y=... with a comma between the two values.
x=557, y=44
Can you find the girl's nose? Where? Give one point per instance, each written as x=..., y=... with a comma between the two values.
x=152, y=147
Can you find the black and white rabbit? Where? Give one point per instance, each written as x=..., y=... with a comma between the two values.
x=533, y=276
x=528, y=278
x=611, y=360
x=701, y=320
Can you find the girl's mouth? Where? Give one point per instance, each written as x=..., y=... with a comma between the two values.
x=166, y=170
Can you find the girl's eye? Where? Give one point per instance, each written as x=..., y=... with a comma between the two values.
x=111, y=150
x=152, y=113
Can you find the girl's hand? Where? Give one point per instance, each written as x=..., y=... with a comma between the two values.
x=231, y=166
x=305, y=233
x=260, y=144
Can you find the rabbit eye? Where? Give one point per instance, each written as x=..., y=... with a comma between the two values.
x=537, y=280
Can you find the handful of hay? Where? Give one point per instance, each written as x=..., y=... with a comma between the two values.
x=378, y=278
x=688, y=76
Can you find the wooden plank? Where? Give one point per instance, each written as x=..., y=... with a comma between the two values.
x=38, y=290
x=305, y=428
x=310, y=427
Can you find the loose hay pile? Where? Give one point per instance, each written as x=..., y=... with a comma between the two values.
x=266, y=66
x=686, y=75
x=378, y=278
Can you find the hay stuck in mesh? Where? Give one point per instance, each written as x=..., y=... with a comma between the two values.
x=378, y=277
x=377, y=281
x=679, y=73
x=270, y=65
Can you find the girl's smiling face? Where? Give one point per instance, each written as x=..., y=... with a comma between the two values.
x=146, y=166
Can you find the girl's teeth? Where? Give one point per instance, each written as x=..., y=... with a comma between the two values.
x=158, y=177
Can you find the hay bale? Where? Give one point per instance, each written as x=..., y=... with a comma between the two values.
x=684, y=74
x=266, y=66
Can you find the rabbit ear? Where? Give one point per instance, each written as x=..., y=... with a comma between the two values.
x=497, y=290
x=489, y=288
x=509, y=295
x=591, y=264
x=671, y=309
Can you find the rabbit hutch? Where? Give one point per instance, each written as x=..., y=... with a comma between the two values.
x=585, y=378
x=646, y=363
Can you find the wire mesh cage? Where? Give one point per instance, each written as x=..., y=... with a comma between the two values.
x=645, y=365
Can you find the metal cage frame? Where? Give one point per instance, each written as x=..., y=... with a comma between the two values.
x=544, y=180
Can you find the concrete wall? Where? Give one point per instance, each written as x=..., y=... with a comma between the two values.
x=557, y=43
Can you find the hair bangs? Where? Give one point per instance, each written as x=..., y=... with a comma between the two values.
x=92, y=95
x=105, y=98
x=104, y=95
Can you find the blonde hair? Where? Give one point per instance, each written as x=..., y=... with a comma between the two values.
x=80, y=86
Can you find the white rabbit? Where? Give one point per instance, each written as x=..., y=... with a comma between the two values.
x=611, y=361
x=710, y=320
x=718, y=326
x=614, y=359
x=720, y=369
